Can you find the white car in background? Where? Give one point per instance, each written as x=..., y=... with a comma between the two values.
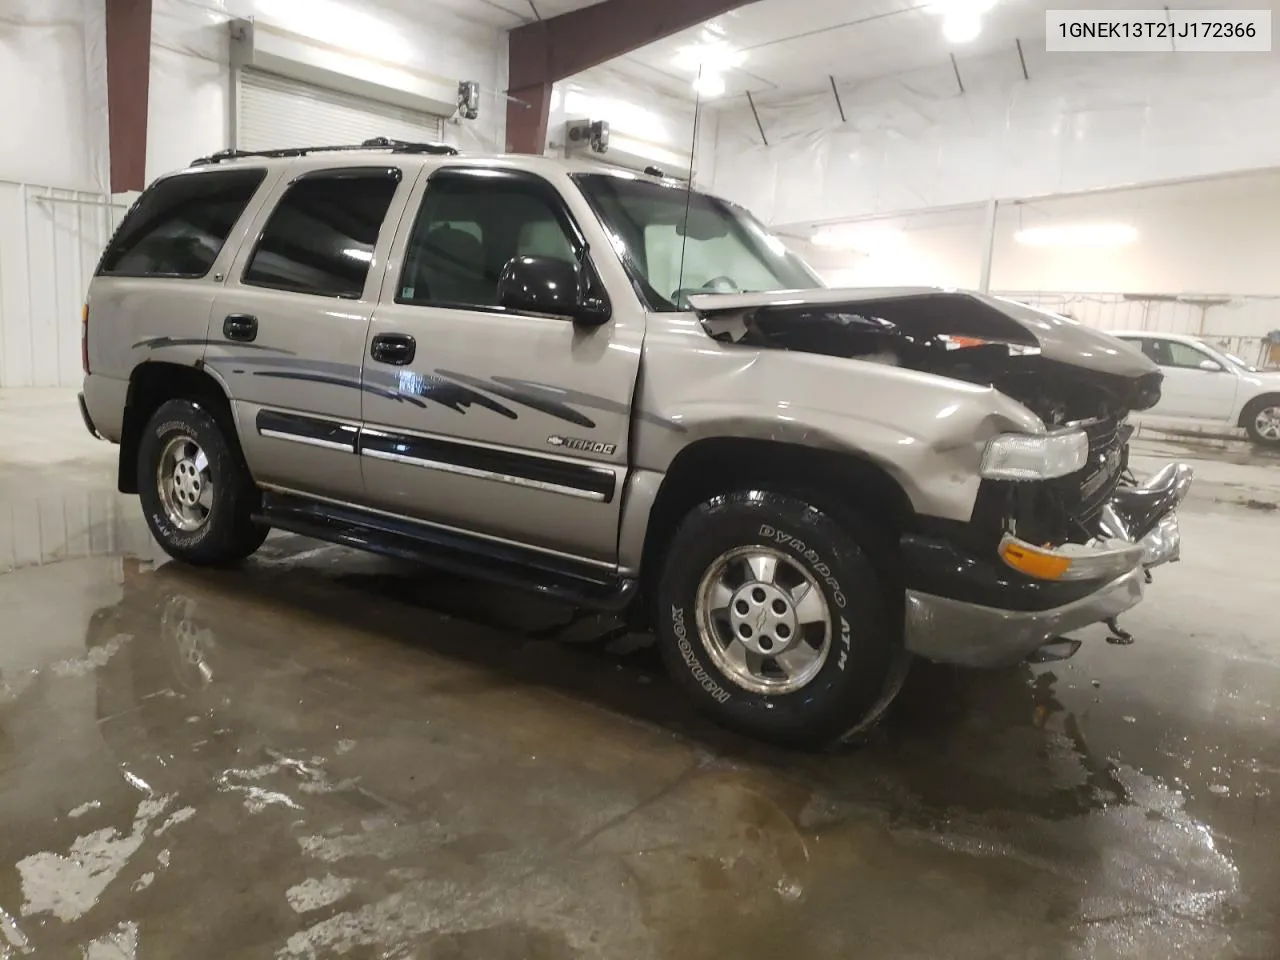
x=1202, y=382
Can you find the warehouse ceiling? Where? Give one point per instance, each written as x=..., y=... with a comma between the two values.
x=791, y=46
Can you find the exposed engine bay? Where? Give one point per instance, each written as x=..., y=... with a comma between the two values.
x=990, y=342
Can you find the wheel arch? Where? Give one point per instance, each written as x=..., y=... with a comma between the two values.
x=153, y=383
x=1254, y=403
x=840, y=482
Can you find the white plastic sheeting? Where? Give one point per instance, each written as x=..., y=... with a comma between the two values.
x=53, y=67
x=654, y=126
x=190, y=102
x=1082, y=122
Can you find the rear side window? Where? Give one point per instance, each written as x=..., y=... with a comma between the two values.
x=320, y=237
x=178, y=226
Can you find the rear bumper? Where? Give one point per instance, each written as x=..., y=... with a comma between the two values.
x=102, y=404
x=979, y=612
x=88, y=420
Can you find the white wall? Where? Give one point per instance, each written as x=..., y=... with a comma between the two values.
x=55, y=217
x=190, y=104
x=1082, y=122
x=1203, y=260
x=50, y=241
x=53, y=178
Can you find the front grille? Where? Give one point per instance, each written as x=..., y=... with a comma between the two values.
x=1093, y=486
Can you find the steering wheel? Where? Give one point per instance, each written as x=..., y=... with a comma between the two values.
x=720, y=284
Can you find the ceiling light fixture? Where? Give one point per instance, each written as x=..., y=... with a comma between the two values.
x=708, y=84
x=961, y=26
x=961, y=19
x=1078, y=235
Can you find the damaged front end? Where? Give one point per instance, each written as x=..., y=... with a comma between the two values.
x=1046, y=550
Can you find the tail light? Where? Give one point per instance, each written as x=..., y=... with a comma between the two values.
x=84, y=338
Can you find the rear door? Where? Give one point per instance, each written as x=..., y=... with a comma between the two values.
x=512, y=426
x=163, y=269
x=287, y=332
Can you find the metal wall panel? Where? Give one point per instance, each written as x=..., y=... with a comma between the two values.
x=50, y=241
x=275, y=112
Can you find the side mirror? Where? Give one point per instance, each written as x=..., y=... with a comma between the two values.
x=552, y=286
x=1211, y=366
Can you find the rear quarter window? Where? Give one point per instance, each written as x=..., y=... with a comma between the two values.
x=178, y=226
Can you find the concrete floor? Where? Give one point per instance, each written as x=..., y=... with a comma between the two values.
x=325, y=754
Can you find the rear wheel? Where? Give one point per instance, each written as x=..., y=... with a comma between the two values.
x=1262, y=421
x=773, y=616
x=195, y=490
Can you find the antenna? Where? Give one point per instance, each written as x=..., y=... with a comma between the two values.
x=688, y=186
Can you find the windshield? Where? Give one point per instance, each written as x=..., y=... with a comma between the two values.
x=675, y=243
x=1238, y=362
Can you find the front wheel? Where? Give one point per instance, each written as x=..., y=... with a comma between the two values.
x=1262, y=421
x=196, y=492
x=774, y=617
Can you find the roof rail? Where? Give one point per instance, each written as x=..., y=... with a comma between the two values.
x=376, y=143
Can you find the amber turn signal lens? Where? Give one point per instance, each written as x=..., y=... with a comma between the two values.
x=1033, y=562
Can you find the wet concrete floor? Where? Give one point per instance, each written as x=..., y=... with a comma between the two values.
x=326, y=754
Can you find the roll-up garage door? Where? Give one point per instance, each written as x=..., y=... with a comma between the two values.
x=277, y=113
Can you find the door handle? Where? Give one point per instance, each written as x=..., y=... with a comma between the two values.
x=397, y=349
x=242, y=327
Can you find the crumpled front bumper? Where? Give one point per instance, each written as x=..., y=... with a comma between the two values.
x=981, y=612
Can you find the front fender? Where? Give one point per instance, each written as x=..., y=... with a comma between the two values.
x=925, y=431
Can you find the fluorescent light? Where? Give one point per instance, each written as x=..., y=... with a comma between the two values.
x=708, y=84
x=1078, y=235
x=863, y=239
x=357, y=254
x=961, y=26
x=717, y=57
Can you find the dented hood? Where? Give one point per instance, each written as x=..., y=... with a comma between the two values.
x=934, y=311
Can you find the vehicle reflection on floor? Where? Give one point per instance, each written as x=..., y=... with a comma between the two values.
x=326, y=753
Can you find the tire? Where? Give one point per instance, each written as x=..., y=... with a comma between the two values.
x=833, y=696
x=202, y=516
x=1261, y=420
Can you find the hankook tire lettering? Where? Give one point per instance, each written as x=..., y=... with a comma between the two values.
x=717, y=692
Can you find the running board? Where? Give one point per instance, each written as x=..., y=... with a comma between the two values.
x=549, y=576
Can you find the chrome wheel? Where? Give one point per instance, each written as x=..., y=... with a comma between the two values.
x=1267, y=423
x=763, y=619
x=185, y=484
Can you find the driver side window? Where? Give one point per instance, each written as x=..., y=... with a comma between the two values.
x=1173, y=353
x=468, y=227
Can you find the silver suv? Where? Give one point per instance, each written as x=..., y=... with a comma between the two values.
x=615, y=391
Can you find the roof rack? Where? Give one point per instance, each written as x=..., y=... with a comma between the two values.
x=376, y=143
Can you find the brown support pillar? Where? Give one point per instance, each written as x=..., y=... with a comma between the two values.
x=128, y=81
x=541, y=53
x=527, y=114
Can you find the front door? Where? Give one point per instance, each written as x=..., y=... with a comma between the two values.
x=287, y=332
x=1190, y=390
x=507, y=425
